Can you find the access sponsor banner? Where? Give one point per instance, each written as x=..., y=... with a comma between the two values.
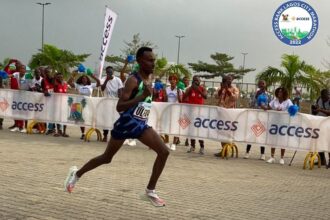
x=266, y=128
x=109, y=23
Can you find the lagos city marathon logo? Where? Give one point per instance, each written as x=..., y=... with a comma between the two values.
x=295, y=23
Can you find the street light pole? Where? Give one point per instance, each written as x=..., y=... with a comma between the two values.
x=179, y=37
x=43, y=16
x=243, y=67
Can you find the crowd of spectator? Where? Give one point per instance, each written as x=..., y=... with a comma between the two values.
x=45, y=80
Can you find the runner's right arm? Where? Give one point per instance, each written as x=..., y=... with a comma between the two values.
x=125, y=102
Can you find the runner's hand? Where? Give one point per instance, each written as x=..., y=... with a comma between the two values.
x=147, y=90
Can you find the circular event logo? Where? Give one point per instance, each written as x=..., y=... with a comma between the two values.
x=295, y=23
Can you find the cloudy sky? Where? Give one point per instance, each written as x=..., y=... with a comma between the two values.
x=225, y=26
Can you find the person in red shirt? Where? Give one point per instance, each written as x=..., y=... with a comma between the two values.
x=195, y=94
x=159, y=94
x=47, y=85
x=19, y=82
x=60, y=86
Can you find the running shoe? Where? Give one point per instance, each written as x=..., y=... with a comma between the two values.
x=154, y=198
x=71, y=179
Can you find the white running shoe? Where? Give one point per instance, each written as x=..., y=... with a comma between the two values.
x=271, y=160
x=154, y=198
x=282, y=161
x=262, y=157
x=71, y=179
x=23, y=130
x=246, y=156
x=15, y=129
x=173, y=147
x=131, y=142
x=35, y=131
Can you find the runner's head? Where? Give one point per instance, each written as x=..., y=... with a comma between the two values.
x=146, y=60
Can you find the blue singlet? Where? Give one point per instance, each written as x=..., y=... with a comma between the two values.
x=133, y=121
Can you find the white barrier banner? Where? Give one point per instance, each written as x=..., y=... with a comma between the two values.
x=265, y=128
x=109, y=23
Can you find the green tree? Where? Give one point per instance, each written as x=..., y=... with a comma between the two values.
x=130, y=49
x=315, y=80
x=57, y=59
x=4, y=63
x=222, y=67
x=294, y=72
x=164, y=69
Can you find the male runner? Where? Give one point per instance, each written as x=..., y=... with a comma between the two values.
x=134, y=107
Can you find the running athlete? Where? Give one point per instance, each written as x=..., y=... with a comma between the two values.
x=134, y=108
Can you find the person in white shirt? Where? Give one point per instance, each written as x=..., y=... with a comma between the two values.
x=35, y=84
x=173, y=95
x=112, y=87
x=281, y=102
x=85, y=87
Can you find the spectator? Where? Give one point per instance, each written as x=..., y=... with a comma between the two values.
x=60, y=86
x=185, y=81
x=85, y=87
x=322, y=108
x=228, y=96
x=36, y=81
x=159, y=93
x=1, y=119
x=47, y=85
x=19, y=82
x=297, y=96
x=173, y=95
x=262, y=90
x=196, y=95
x=35, y=86
x=281, y=102
x=112, y=87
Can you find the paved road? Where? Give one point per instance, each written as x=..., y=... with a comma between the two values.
x=33, y=168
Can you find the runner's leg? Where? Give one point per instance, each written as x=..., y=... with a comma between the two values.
x=113, y=146
x=150, y=138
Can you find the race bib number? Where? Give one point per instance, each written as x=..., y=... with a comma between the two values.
x=142, y=111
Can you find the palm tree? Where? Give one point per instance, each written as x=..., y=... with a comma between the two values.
x=57, y=59
x=164, y=69
x=315, y=80
x=293, y=73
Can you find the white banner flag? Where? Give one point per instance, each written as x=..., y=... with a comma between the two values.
x=109, y=23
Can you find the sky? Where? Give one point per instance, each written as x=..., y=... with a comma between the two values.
x=225, y=26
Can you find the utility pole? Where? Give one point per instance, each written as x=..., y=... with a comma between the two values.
x=179, y=37
x=43, y=18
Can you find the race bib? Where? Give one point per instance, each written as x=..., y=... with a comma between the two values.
x=142, y=111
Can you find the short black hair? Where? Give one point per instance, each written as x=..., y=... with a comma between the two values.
x=141, y=51
x=324, y=92
x=108, y=67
